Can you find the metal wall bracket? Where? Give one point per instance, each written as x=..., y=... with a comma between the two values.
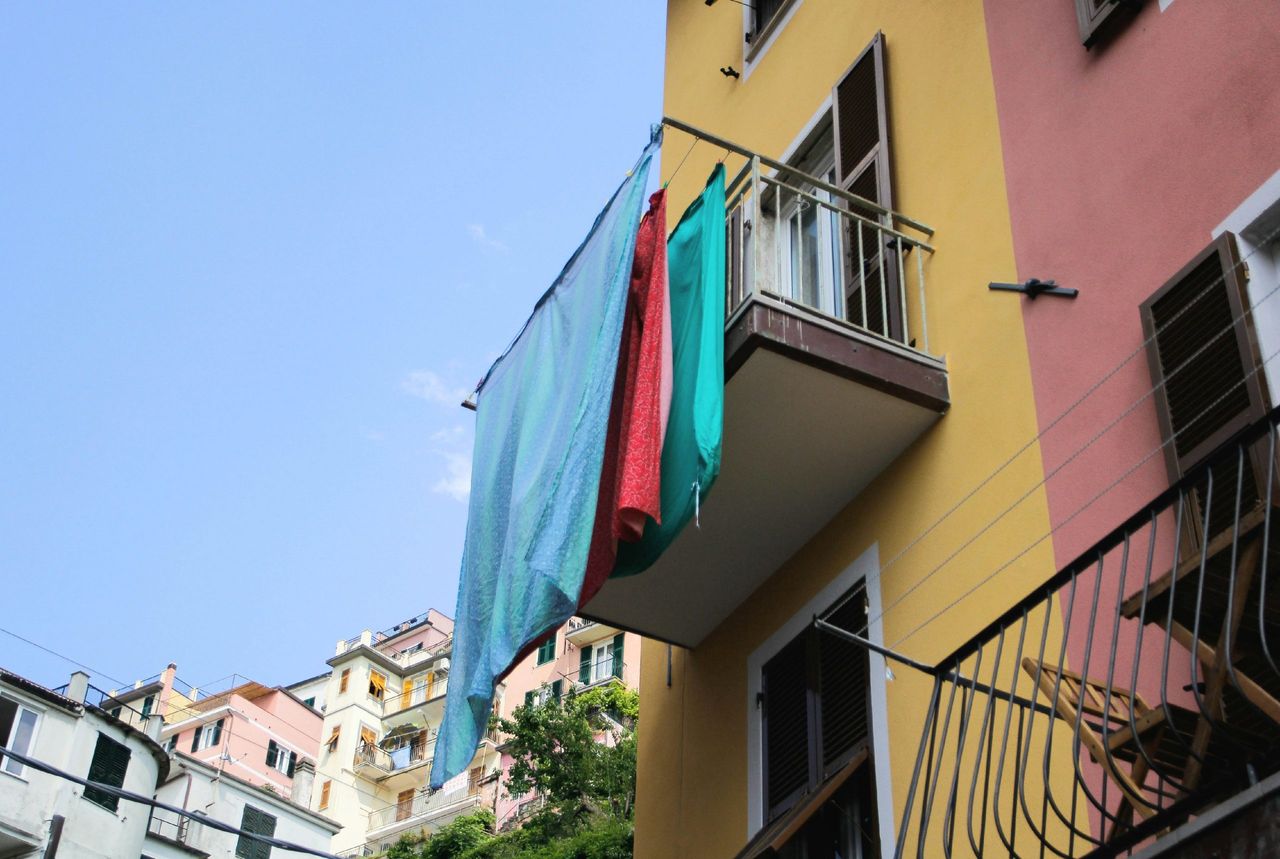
x=1035, y=287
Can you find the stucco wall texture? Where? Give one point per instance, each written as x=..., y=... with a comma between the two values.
x=1119, y=161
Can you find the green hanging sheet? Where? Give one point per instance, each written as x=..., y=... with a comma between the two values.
x=691, y=451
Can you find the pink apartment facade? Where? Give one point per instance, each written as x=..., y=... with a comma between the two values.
x=258, y=733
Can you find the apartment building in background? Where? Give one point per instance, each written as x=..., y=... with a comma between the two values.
x=44, y=815
x=384, y=701
x=258, y=733
x=986, y=567
x=162, y=693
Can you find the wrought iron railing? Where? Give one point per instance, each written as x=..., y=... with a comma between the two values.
x=401, y=757
x=1131, y=691
x=174, y=830
x=396, y=702
x=803, y=241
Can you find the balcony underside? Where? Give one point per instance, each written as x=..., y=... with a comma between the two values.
x=814, y=410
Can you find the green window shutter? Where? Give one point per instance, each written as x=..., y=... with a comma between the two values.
x=273, y=753
x=195, y=739
x=555, y=689
x=584, y=666
x=217, y=732
x=147, y=704
x=528, y=698
x=258, y=823
x=109, y=766
x=617, y=654
x=547, y=651
x=293, y=763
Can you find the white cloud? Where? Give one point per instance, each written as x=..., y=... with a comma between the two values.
x=428, y=385
x=456, y=483
x=482, y=238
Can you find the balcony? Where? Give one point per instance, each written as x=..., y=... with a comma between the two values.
x=1131, y=702
x=404, y=764
x=411, y=702
x=425, y=809
x=580, y=631
x=828, y=379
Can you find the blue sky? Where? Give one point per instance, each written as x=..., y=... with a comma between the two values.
x=251, y=257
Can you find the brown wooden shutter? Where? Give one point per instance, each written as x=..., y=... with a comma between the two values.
x=864, y=167
x=786, y=726
x=1095, y=17
x=844, y=677
x=1204, y=360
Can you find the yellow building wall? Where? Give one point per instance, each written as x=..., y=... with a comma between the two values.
x=947, y=167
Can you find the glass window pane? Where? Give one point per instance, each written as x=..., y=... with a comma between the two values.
x=21, y=740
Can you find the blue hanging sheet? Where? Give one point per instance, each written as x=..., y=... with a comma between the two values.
x=541, y=419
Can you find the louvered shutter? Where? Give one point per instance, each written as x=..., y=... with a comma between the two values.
x=617, y=654
x=1094, y=16
x=195, y=738
x=584, y=665
x=786, y=726
x=217, y=732
x=293, y=764
x=258, y=823
x=528, y=698
x=555, y=689
x=109, y=766
x=843, y=672
x=864, y=167
x=1205, y=362
x=273, y=753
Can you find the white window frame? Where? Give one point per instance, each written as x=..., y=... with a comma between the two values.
x=754, y=52
x=830, y=273
x=283, y=754
x=11, y=766
x=207, y=733
x=866, y=567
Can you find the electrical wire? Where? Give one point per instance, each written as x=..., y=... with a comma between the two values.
x=129, y=796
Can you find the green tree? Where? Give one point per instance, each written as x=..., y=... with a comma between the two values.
x=579, y=753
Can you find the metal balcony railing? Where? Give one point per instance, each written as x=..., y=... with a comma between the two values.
x=174, y=830
x=396, y=702
x=1134, y=689
x=390, y=760
x=424, y=806
x=806, y=242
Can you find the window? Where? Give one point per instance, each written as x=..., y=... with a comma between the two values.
x=281, y=759
x=547, y=650
x=377, y=685
x=324, y=793
x=846, y=822
x=109, y=765
x=1203, y=355
x=17, y=732
x=543, y=694
x=342, y=682
x=258, y=823
x=815, y=707
x=601, y=662
x=207, y=736
x=310, y=702
x=332, y=742
x=172, y=745
x=474, y=777
x=115, y=712
x=761, y=20
x=368, y=737
x=404, y=804
x=147, y=704
x=1097, y=17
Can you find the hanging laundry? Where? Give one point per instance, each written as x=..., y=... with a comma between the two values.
x=691, y=449
x=631, y=474
x=541, y=418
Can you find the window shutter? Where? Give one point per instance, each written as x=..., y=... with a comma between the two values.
x=786, y=726
x=293, y=763
x=555, y=689
x=528, y=698
x=273, y=753
x=195, y=738
x=843, y=681
x=258, y=823
x=617, y=654
x=584, y=665
x=217, y=732
x=109, y=766
x=864, y=167
x=1203, y=355
x=1094, y=16
x=324, y=793
x=345, y=678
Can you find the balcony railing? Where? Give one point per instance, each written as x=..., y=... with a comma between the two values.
x=424, y=806
x=392, y=760
x=396, y=702
x=1133, y=690
x=174, y=830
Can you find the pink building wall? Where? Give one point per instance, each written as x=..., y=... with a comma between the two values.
x=1120, y=161
x=249, y=726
